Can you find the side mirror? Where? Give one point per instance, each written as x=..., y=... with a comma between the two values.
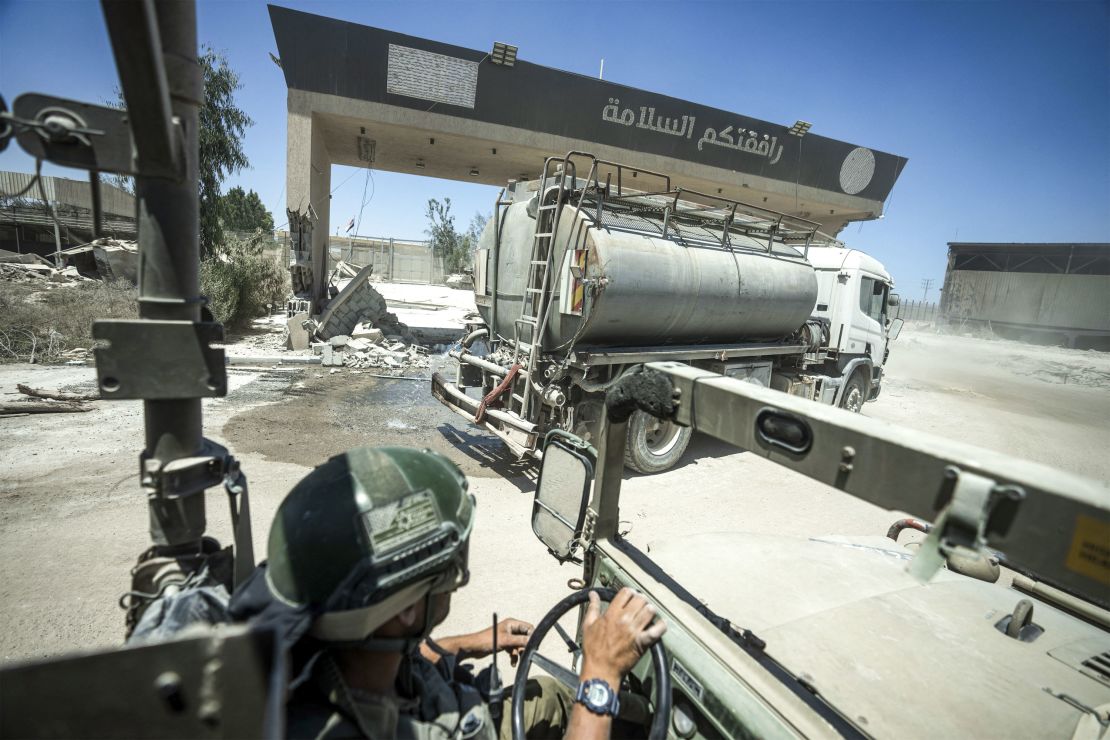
x=894, y=329
x=563, y=493
x=893, y=299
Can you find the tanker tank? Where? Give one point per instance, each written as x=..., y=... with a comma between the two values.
x=644, y=289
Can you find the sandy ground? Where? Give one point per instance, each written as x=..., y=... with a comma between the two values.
x=72, y=518
x=1047, y=404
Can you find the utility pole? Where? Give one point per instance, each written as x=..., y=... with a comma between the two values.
x=927, y=283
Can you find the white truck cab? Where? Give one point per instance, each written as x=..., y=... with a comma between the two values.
x=854, y=291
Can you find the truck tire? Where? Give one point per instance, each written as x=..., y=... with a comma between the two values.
x=855, y=393
x=654, y=445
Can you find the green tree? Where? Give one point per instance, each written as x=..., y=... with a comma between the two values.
x=244, y=211
x=474, y=231
x=448, y=243
x=222, y=127
x=243, y=282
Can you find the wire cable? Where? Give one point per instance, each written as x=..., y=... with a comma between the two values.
x=34, y=180
x=365, y=200
x=322, y=198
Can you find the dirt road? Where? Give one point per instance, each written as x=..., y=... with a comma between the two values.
x=72, y=518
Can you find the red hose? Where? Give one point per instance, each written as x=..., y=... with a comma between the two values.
x=910, y=523
x=492, y=396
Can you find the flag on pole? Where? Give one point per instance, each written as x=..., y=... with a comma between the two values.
x=350, y=224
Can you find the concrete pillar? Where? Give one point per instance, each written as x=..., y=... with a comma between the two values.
x=308, y=186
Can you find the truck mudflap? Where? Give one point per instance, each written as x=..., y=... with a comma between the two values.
x=519, y=435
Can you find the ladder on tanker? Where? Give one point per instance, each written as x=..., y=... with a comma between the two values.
x=538, y=289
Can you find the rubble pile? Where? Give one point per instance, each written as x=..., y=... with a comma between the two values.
x=358, y=302
x=371, y=350
x=106, y=259
x=31, y=268
x=459, y=280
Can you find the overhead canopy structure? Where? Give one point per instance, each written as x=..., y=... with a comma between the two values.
x=1035, y=292
x=363, y=96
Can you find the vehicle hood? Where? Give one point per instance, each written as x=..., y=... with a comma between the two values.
x=895, y=656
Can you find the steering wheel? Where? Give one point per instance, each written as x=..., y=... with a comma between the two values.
x=569, y=679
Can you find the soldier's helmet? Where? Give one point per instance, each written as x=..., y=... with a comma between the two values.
x=368, y=533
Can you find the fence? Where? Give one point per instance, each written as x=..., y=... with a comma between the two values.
x=395, y=260
x=914, y=311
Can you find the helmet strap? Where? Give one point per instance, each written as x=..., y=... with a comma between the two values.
x=403, y=645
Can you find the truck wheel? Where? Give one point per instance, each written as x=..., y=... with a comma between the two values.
x=855, y=393
x=654, y=445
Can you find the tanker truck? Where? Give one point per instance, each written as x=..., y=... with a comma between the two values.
x=580, y=280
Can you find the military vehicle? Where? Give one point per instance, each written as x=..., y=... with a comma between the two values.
x=578, y=280
x=822, y=636
x=768, y=637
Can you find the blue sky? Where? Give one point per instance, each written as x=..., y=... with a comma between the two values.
x=1003, y=108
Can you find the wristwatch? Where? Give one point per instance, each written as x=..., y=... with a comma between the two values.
x=598, y=696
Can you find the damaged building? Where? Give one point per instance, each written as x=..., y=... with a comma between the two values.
x=26, y=223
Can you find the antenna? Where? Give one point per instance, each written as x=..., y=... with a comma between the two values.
x=495, y=694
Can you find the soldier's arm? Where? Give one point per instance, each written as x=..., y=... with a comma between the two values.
x=512, y=636
x=612, y=643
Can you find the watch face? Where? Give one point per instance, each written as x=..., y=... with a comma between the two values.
x=598, y=695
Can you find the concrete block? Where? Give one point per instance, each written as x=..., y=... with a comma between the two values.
x=297, y=337
x=339, y=340
x=358, y=345
x=367, y=332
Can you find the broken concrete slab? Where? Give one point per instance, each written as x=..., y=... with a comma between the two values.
x=297, y=335
x=25, y=258
x=367, y=332
x=339, y=340
x=356, y=303
x=358, y=345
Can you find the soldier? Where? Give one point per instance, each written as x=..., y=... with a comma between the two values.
x=364, y=554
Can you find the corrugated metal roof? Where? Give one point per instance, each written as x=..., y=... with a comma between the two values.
x=1046, y=247
x=69, y=192
x=16, y=182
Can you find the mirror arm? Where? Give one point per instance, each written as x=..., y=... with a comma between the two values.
x=607, y=485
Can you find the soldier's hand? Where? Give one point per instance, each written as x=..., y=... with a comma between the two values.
x=613, y=642
x=512, y=636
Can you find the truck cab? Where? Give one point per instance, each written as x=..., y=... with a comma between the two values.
x=854, y=293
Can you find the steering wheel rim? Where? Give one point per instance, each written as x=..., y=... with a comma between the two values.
x=662, y=713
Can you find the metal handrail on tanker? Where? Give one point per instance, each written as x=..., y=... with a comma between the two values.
x=668, y=203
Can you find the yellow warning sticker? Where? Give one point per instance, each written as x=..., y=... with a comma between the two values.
x=1090, y=549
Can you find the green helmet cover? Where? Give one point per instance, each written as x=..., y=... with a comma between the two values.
x=368, y=525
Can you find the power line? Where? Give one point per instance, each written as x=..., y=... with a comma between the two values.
x=365, y=200
x=926, y=283
x=314, y=203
